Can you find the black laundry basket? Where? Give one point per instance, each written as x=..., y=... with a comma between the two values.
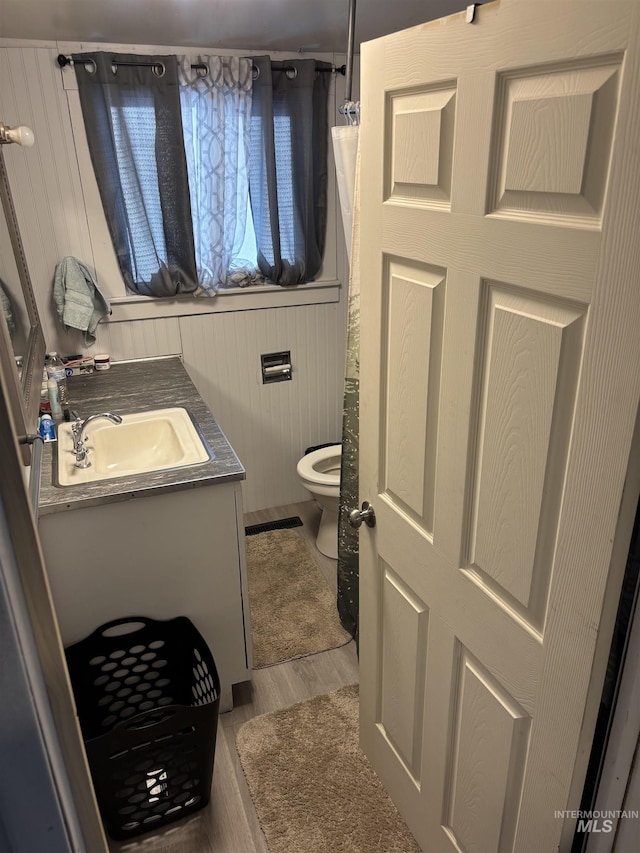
x=147, y=694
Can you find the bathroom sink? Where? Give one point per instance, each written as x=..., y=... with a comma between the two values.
x=142, y=443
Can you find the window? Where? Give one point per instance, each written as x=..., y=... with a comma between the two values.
x=204, y=176
x=134, y=127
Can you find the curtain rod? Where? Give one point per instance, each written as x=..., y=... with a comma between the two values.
x=67, y=60
x=350, y=41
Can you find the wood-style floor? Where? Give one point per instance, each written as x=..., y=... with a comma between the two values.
x=229, y=823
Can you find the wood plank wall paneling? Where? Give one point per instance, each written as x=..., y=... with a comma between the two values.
x=269, y=426
x=139, y=338
x=45, y=180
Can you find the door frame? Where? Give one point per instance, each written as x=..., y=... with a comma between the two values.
x=39, y=653
x=618, y=766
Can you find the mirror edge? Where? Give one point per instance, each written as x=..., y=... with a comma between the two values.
x=24, y=399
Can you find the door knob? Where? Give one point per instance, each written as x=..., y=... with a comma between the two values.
x=366, y=514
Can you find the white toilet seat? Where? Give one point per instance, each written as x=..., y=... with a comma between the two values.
x=319, y=473
x=321, y=467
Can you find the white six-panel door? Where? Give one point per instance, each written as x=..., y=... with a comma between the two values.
x=500, y=379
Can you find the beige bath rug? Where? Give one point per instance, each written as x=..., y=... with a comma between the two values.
x=293, y=612
x=313, y=789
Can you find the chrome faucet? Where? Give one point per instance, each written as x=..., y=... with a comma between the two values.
x=77, y=432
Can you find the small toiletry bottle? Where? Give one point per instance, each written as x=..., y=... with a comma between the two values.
x=45, y=405
x=54, y=398
x=102, y=361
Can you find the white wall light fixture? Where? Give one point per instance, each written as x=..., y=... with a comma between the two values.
x=22, y=135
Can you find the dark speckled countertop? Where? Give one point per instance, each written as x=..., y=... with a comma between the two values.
x=139, y=386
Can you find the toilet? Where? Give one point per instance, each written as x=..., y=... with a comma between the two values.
x=319, y=472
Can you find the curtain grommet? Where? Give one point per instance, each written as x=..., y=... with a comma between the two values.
x=158, y=69
x=291, y=73
x=255, y=72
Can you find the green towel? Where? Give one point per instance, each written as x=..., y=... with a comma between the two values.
x=7, y=309
x=79, y=302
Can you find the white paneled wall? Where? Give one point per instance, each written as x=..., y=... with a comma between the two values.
x=45, y=180
x=140, y=338
x=269, y=426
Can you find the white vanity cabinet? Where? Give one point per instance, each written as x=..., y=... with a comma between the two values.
x=159, y=553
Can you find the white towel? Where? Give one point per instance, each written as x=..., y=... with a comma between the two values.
x=7, y=309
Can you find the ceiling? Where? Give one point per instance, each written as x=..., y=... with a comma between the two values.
x=287, y=25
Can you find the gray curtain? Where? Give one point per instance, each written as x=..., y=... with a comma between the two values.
x=288, y=175
x=131, y=110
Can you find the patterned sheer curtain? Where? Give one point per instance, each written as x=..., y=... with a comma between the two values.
x=289, y=133
x=131, y=110
x=215, y=97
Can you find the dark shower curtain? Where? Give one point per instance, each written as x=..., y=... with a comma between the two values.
x=348, y=559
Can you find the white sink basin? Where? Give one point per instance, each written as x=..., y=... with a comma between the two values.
x=142, y=443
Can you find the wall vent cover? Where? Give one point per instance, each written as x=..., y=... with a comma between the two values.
x=281, y=524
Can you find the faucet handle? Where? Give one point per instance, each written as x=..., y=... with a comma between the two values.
x=81, y=455
x=76, y=430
